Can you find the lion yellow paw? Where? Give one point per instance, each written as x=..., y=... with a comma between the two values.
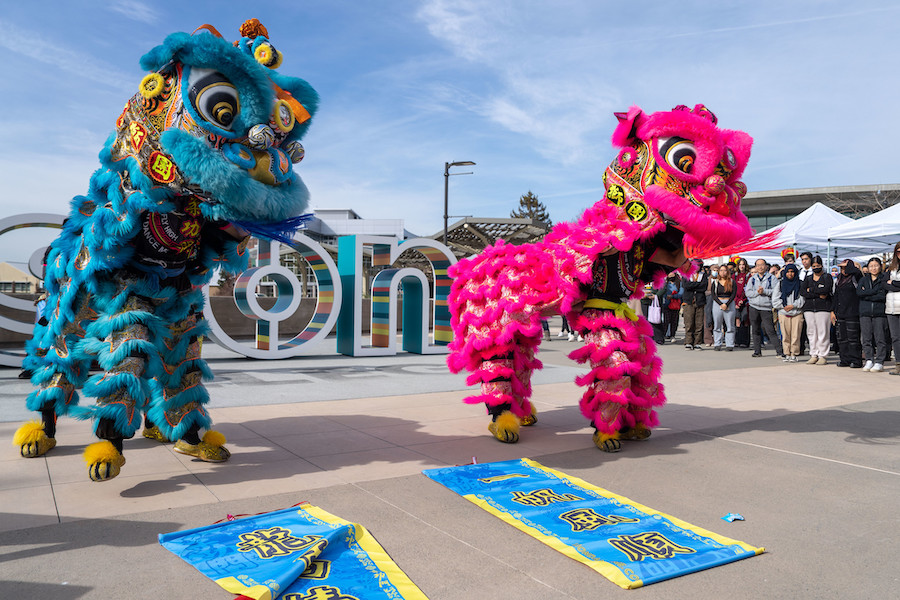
x=210, y=449
x=153, y=433
x=531, y=419
x=505, y=428
x=607, y=442
x=103, y=460
x=638, y=432
x=32, y=441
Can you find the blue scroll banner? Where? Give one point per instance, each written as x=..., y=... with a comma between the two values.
x=300, y=553
x=628, y=543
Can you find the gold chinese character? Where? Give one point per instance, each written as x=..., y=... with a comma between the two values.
x=318, y=569
x=192, y=207
x=278, y=541
x=191, y=229
x=616, y=194
x=542, y=497
x=161, y=168
x=636, y=211
x=650, y=544
x=502, y=477
x=587, y=519
x=138, y=135
x=321, y=592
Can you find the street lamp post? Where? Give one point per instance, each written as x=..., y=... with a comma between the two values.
x=447, y=165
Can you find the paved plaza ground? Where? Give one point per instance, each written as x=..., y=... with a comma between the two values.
x=809, y=455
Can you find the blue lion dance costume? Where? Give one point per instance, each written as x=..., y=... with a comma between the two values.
x=201, y=157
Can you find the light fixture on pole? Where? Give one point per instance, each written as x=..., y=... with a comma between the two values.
x=447, y=174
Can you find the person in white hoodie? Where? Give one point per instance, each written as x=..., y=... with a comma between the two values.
x=892, y=305
x=787, y=299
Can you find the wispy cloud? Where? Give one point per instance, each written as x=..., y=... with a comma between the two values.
x=563, y=121
x=785, y=23
x=33, y=45
x=465, y=25
x=560, y=108
x=136, y=11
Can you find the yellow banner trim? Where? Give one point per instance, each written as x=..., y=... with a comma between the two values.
x=233, y=585
x=382, y=559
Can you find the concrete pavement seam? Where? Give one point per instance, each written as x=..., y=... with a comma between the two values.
x=822, y=458
x=52, y=490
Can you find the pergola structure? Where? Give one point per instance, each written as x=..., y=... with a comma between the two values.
x=471, y=235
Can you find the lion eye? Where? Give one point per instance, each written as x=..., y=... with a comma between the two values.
x=213, y=97
x=678, y=152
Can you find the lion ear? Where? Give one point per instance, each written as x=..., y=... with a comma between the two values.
x=626, y=130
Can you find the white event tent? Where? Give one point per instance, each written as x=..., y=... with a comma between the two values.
x=877, y=232
x=808, y=231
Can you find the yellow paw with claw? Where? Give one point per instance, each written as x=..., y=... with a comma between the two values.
x=103, y=460
x=505, y=428
x=530, y=419
x=153, y=433
x=32, y=441
x=635, y=433
x=210, y=449
x=607, y=442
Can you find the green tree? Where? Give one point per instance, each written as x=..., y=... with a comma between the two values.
x=226, y=283
x=531, y=208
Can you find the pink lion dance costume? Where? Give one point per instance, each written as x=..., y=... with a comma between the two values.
x=672, y=192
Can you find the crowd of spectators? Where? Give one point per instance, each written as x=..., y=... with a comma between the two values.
x=793, y=308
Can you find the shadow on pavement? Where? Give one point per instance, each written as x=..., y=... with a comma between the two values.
x=47, y=540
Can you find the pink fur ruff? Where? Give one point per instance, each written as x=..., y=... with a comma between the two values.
x=625, y=371
x=497, y=300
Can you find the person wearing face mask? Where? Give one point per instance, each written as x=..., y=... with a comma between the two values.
x=845, y=315
x=872, y=318
x=817, y=291
x=787, y=300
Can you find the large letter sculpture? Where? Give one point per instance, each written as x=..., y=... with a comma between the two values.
x=35, y=264
x=328, y=302
x=416, y=299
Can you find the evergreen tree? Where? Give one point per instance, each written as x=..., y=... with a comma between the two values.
x=531, y=208
x=226, y=283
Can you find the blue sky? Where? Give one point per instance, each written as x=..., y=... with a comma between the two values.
x=525, y=88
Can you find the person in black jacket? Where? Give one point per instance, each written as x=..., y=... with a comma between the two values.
x=659, y=329
x=845, y=315
x=818, y=290
x=872, y=319
x=693, y=303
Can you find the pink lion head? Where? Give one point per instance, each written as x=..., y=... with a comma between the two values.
x=678, y=171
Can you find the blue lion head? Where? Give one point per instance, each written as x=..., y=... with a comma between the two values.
x=216, y=120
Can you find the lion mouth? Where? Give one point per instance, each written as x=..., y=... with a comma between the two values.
x=671, y=238
x=668, y=245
